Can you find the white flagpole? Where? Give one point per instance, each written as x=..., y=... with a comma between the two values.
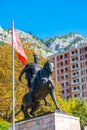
x=13, y=81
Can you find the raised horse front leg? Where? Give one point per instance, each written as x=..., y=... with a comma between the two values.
x=52, y=93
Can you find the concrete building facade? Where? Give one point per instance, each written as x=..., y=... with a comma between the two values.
x=70, y=69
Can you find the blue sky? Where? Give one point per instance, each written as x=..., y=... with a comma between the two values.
x=45, y=18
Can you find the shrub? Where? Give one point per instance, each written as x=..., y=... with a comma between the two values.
x=4, y=125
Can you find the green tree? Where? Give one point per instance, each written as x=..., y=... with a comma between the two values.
x=75, y=106
x=80, y=110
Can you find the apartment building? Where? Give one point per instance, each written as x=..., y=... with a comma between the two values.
x=70, y=69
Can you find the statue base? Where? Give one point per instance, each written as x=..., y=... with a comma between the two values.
x=49, y=121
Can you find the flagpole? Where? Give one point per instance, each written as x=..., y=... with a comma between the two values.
x=13, y=81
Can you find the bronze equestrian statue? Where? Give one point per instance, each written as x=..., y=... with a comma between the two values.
x=30, y=71
x=42, y=86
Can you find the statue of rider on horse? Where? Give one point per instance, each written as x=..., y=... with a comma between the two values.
x=30, y=71
x=39, y=83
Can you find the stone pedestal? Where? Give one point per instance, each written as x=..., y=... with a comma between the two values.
x=50, y=121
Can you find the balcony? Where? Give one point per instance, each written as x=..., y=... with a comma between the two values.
x=73, y=53
x=75, y=81
x=76, y=95
x=75, y=74
x=75, y=90
x=75, y=61
x=75, y=68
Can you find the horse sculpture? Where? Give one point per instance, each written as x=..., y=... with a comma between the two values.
x=43, y=85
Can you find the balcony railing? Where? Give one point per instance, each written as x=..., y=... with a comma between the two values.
x=75, y=90
x=76, y=75
x=76, y=68
x=75, y=61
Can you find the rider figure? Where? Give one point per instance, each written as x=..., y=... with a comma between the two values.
x=30, y=71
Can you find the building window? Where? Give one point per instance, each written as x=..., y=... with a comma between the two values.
x=86, y=62
x=73, y=66
x=77, y=80
x=66, y=83
x=61, y=70
x=86, y=77
x=77, y=73
x=86, y=70
x=62, y=77
x=57, y=58
x=75, y=95
x=74, y=88
x=65, y=55
x=85, y=55
x=80, y=57
x=78, y=87
x=76, y=65
x=76, y=58
x=81, y=72
x=72, y=52
x=82, y=79
x=74, y=74
x=76, y=51
x=65, y=62
x=85, y=48
x=74, y=81
x=66, y=76
x=61, y=63
x=81, y=65
x=62, y=84
x=80, y=51
x=62, y=91
x=67, y=90
x=66, y=69
x=73, y=59
x=61, y=57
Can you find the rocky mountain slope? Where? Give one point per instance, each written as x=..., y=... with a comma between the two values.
x=48, y=46
x=65, y=42
x=5, y=36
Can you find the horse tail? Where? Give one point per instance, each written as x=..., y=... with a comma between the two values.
x=21, y=109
